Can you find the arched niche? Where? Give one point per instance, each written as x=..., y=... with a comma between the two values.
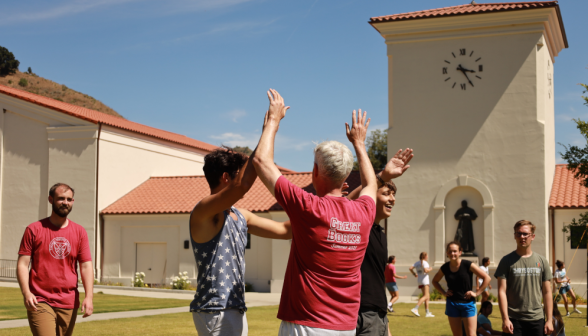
x=440, y=217
x=453, y=204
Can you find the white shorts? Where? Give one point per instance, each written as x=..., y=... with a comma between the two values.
x=424, y=281
x=293, y=329
x=230, y=322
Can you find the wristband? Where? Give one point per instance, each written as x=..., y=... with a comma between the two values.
x=379, y=178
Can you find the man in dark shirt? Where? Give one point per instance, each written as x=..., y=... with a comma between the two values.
x=372, y=318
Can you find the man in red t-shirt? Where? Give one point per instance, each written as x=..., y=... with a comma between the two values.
x=53, y=247
x=322, y=285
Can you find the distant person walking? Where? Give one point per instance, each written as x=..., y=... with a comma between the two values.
x=461, y=300
x=484, y=267
x=391, y=277
x=53, y=247
x=422, y=274
x=562, y=279
x=523, y=280
x=484, y=324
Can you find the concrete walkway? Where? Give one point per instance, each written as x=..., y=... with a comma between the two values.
x=252, y=299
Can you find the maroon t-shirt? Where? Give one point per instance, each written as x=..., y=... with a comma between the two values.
x=322, y=284
x=54, y=254
x=389, y=273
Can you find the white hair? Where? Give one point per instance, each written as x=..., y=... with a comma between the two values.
x=334, y=161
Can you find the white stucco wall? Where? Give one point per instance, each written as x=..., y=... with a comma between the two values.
x=265, y=261
x=498, y=132
x=38, y=151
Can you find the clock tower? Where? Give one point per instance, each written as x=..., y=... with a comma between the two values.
x=470, y=90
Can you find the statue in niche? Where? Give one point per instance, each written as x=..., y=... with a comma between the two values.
x=465, y=232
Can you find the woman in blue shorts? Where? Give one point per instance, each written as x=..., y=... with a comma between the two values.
x=461, y=300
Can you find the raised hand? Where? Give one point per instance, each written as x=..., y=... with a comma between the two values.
x=358, y=131
x=397, y=165
x=277, y=109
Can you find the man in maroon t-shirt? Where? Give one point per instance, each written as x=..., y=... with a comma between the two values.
x=53, y=247
x=322, y=285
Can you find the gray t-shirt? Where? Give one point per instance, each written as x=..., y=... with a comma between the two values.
x=524, y=283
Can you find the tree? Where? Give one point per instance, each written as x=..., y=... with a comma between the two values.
x=377, y=149
x=8, y=64
x=577, y=159
x=245, y=150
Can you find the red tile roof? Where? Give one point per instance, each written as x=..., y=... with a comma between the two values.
x=168, y=195
x=567, y=192
x=465, y=9
x=97, y=117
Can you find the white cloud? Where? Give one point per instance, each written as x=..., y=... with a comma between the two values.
x=60, y=9
x=283, y=143
x=226, y=28
x=236, y=114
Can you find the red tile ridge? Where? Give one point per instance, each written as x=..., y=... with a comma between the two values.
x=98, y=117
x=464, y=9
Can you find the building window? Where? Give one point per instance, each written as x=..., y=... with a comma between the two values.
x=248, y=246
x=575, y=234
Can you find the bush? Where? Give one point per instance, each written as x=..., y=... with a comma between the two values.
x=10, y=81
x=29, y=70
x=8, y=64
x=248, y=287
x=63, y=88
x=180, y=282
x=139, y=280
x=23, y=82
x=435, y=295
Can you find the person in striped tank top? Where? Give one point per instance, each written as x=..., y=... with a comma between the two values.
x=218, y=233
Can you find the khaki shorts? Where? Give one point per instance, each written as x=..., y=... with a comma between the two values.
x=51, y=321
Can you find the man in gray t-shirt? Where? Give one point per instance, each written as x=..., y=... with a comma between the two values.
x=523, y=280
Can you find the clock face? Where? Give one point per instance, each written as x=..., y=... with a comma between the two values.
x=462, y=69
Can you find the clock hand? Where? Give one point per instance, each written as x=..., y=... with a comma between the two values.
x=464, y=70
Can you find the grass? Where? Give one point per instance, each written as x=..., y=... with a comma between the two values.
x=12, y=307
x=262, y=321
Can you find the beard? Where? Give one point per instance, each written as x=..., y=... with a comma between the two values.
x=62, y=211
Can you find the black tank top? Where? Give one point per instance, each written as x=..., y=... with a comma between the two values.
x=459, y=282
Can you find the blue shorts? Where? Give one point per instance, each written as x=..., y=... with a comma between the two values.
x=392, y=286
x=564, y=290
x=458, y=309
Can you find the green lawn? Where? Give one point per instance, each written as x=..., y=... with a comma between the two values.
x=12, y=307
x=263, y=321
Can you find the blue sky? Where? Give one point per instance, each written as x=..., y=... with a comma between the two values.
x=201, y=67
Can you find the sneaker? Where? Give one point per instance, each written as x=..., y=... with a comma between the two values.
x=429, y=315
x=567, y=314
x=577, y=311
x=390, y=309
x=415, y=311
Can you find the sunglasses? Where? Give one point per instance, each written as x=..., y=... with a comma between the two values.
x=523, y=234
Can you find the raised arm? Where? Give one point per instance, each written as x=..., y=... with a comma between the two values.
x=266, y=228
x=264, y=160
x=356, y=135
x=397, y=165
x=213, y=204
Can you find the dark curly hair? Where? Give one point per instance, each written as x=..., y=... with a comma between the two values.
x=222, y=160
